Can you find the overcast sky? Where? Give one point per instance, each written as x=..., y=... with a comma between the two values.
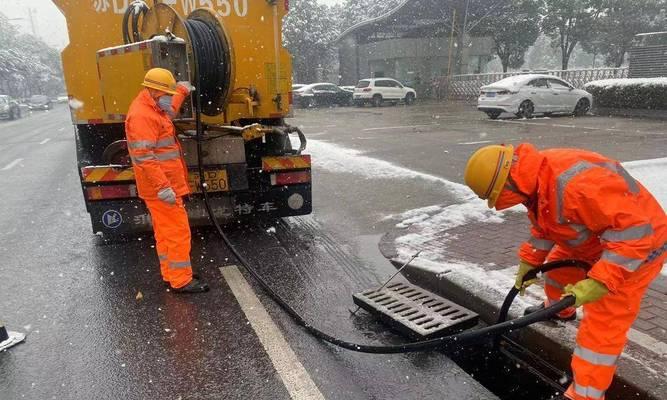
x=48, y=21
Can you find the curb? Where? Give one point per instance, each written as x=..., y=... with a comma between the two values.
x=550, y=341
x=537, y=339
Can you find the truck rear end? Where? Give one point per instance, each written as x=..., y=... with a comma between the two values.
x=251, y=169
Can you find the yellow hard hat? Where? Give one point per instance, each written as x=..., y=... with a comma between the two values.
x=487, y=171
x=160, y=79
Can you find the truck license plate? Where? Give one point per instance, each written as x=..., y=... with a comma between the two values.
x=216, y=181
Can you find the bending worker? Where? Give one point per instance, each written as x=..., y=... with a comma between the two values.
x=161, y=174
x=583, y=206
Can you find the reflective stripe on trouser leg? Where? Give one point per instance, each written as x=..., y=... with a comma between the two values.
x=603, y=333
x=171, y=221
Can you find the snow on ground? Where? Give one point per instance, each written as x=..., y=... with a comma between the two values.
x=433, y=220
x=653, y=175
x=340, y=159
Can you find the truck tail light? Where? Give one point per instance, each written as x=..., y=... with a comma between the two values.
x=290, y=98
x=111, y=192
x=286, y=5
x=290, y=178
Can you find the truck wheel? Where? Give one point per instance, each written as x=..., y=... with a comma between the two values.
x=377, y=100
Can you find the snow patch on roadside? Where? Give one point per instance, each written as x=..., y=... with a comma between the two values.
x=340, y=159
x=653, y=175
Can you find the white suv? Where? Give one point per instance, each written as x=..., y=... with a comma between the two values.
x=377, y=91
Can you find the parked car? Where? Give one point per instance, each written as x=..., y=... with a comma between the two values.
x=347, y=88
x=9, y=108
x=379, y=90
x=530, y=94
x=321, y=94
x=39, y=102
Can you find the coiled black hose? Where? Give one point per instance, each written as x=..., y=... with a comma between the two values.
x=198, y=31
x=212, y=65
x=136, y=10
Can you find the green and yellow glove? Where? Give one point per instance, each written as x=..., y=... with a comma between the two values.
x=586, y=291
x=524, y=267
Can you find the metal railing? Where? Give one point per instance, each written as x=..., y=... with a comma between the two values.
x=466, y=87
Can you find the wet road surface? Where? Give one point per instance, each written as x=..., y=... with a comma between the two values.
x=76, y=296
x=89, y=336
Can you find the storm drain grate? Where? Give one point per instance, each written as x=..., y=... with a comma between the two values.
x=416, y=312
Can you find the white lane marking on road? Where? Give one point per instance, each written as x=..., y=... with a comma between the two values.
x=45, y=141
x=61, y=129
x=480, y=142
x=11, y=164
x=317, y=126
x=380, y=128
x=294, y=376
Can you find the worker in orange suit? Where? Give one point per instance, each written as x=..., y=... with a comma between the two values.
x=583, y=206
x=161, y=174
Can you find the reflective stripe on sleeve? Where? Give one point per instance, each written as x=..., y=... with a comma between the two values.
x=541, y=244
x=141, y=144
x=632, y=233
x=162, y=257
x=595, y=358
x=166, y=142
x=628, y=263
x=588, y=391
x=179, y=264
x=170, y=155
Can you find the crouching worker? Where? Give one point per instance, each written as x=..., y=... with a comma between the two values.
x=582, y=206
x=161, y=174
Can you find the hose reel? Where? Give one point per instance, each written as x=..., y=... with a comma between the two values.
x=202, y=32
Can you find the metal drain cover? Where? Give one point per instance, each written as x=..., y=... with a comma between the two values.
x=416, y=312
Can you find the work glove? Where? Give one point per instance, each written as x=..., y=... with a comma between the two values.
x=524, y=267
x=167, y=195
x=187, y=85
x=586, y=291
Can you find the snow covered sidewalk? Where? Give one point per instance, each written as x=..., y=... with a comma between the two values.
x=469, y=255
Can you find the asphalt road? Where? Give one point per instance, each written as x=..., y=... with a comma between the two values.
x=90, y=336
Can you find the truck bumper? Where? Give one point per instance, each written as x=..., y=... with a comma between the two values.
x=122, y=217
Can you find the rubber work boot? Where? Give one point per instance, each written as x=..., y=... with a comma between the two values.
x=195, y=286
x=166, y=283
x=540, y=307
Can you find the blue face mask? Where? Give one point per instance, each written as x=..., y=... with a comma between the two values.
x=164, y=102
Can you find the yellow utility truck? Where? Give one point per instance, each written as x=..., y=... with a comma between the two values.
x=233, y=47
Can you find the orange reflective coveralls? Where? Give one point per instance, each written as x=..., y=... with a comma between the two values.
x=585, y=206
x=158, y=164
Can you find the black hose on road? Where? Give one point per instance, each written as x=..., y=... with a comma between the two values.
x=443, y=343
